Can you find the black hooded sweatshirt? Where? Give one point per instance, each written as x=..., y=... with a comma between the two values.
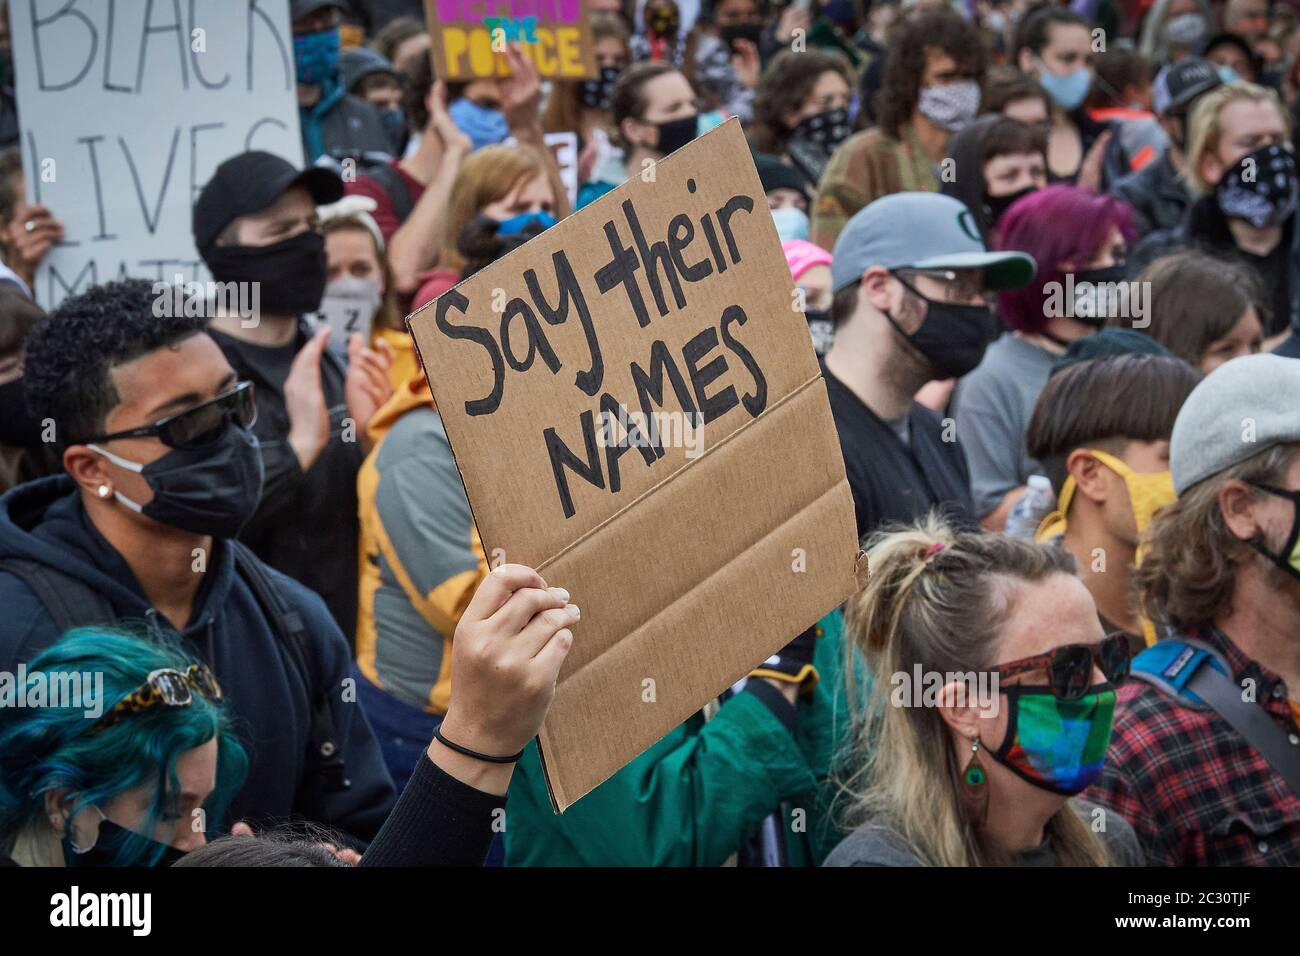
x=44, y=521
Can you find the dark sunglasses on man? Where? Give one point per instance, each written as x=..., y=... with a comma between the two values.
x=1069, y=667
x=196, y=426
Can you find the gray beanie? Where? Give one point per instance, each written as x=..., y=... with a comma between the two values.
x=1239, y=410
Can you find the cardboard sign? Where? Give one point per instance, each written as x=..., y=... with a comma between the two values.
x=126, y=110
x=636, y=411
x=469, y=37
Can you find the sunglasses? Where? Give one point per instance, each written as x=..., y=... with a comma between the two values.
x=196, y=426
x=167, y=686
x=1069, y=668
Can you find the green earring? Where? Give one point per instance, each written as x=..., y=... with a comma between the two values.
x=973, y=777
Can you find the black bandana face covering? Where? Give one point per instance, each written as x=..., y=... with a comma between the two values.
x=290, y=275
x=827, y=129
x=1261, y=189
x=595, y=94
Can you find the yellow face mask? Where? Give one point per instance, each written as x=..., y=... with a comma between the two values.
x=1147, y=494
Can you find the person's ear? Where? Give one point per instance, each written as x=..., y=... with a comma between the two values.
x=632, y=129
x=877, y=289
x=88, y=470
x=1025, y=60
x=1237, y=505
x=57, y=807
x=1210, y=169
x=1090, y=476
x=960, y=709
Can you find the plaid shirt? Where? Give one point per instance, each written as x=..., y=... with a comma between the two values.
x=1196, y=793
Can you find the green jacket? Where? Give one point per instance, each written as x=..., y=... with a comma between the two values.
x=694, y=797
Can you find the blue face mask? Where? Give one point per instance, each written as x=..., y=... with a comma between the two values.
x=315, y=56
x=1228, y=74
x=483, y=126
x=1067, y=91
x=517, y=224
x=791, y=223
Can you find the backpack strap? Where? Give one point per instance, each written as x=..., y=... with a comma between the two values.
x=1195, y=675
x=324, y=756
x=70, y=601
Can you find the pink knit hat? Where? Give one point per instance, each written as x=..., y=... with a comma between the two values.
x=803, y=255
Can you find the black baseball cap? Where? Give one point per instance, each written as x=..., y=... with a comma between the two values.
x=249, y=183
x=1177, y=85
x=774, y=174
x=302, y=8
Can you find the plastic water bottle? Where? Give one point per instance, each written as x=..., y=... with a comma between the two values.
x=1034, y=505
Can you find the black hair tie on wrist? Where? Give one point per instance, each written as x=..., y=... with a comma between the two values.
x=437, y=735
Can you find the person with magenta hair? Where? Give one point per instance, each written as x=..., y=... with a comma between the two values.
x=810, y=267
x=130, y=770
x=1068, y=299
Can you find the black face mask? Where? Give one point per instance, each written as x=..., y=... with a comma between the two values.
x=109, y=846
x=753, y=32
x=1092, y=306
x=997, y=205
x=822, y=328
x=1261, y=189
x=1288, y=559
x=595, y=94
x=212, y=490
x=675, y=134
x=952, y=338
x=18, y=426
x=291, y=274
x=827, y=129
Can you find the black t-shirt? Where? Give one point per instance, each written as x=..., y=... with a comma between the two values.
x=306, y=525
x=893, y=482
x=1274, y=271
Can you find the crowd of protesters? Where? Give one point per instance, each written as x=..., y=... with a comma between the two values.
x=1049, y=263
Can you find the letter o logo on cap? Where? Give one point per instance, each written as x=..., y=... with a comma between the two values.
x=967, y=223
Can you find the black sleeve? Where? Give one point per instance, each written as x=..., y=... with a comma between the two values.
x=283, y=477
x=774, y=701
x=438, y=821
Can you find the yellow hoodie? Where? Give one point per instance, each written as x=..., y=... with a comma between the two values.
x=420, y=554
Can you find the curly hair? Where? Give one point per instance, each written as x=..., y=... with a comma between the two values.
x=71, y=351
x=927, y=29
x=787, y=82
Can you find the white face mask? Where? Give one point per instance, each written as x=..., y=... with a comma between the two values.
x=348, y=305
x=950, y=105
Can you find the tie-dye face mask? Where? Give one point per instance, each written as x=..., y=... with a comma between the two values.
x=1058, y=745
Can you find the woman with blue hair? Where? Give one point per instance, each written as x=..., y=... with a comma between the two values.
x=114, y=751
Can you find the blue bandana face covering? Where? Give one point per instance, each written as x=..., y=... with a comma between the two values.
x=517, y=224
x=315, y=56
x=483, y=126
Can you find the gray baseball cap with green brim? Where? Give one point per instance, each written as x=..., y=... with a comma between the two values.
x=922, y=231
